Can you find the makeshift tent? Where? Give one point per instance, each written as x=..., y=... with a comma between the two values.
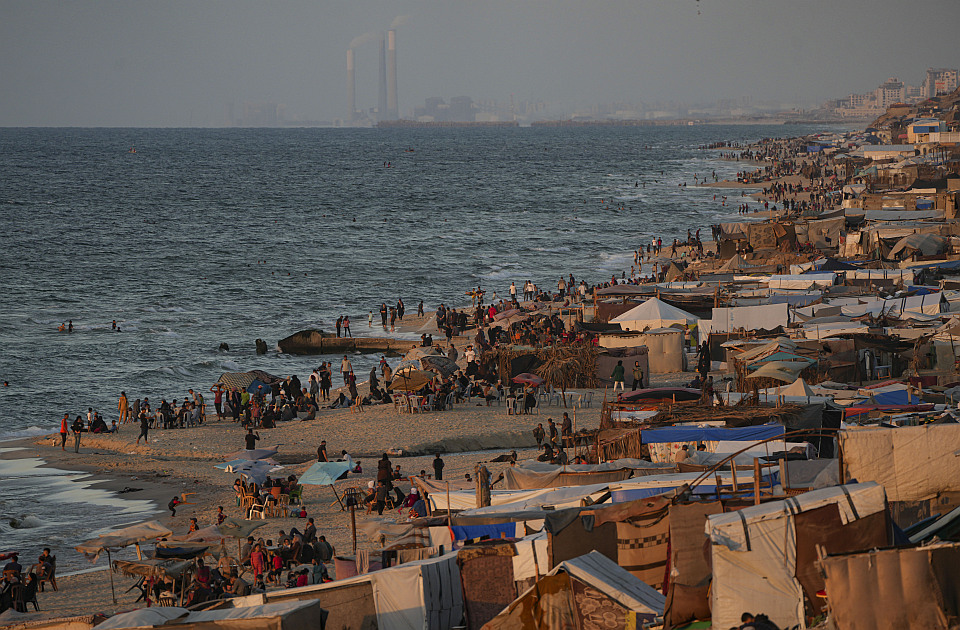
x=763, y=556
x=256, y=471
x=922, y=244
x=891, y=589
x=785, y=371
x=654, y=313
x=590, y=591
x=523, y=478
x=913, y=463
x=737, y=263
x=665, y=352
x=281, y=616
x=243, y=380
x=418, y=595
x=688, y=592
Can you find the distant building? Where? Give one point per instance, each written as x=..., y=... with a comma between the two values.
x=890, y=91
x=921, y=129
x=940, y=81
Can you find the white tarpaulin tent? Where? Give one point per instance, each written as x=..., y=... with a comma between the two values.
x=803, y=281
x=765, y=316
x=653, y=313
x=753, y=553
x=418, y=595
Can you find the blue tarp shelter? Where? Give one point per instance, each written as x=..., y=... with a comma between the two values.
x=711, y=434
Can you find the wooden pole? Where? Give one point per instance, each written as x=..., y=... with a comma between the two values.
x=449, y=516
x=110, y=569
x=756, y=481
x=733, y=472
x=353, y=524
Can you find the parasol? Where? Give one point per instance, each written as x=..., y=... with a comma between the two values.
x=117, y=539
x=526, y=378
x=410, y=379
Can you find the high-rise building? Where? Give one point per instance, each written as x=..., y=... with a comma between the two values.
x=941, y=81
x=890, y=91
x=393, y=111
x=382, y=92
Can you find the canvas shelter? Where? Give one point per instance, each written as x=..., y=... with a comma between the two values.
x=913, y=463
x=665, y=353
x=418, y=595
x=281, y=616
x=124, y=537
x=891, y=589
x=654, y=313
x=584, y=592
x=763, y=556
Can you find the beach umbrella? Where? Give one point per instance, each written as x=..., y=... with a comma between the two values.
x=526, y=378
x=410, y=379
x=254, y=470
x=326, y=474
x=120, y=538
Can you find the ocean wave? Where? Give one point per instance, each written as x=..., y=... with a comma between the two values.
x=31, y=431
x=551, y=250
x=28, y=521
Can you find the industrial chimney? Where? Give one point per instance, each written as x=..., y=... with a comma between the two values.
x=351, y=87
x=393, y=112
x=382, y=101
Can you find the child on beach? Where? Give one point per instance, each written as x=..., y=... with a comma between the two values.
x=172, y=506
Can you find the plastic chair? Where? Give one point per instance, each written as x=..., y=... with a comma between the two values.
x=588, y=399
x=448, y=403
x=50, y=577
x=258, y=509
x=426, y=403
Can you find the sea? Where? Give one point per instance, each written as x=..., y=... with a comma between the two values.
x=193, y=238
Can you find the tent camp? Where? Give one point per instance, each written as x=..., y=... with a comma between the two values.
x=584, y=592
x=921, y=244
x=654, y=313
x=282, y=616
x=763, y=556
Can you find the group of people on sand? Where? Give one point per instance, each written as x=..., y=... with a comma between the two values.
x=94, y=424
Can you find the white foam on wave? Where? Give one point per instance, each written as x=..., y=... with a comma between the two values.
x=551, y=250
x=31, y=431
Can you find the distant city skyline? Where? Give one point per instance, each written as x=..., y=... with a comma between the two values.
x=213, y=62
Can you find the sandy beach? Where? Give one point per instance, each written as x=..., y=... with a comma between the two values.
x=182, y=460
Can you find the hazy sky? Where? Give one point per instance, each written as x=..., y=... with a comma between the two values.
x=181, y=62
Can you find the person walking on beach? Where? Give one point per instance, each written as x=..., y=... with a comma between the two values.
x=617, y=376
x=637, y=375
x=144, y=428
x=345, y=368
x=124, y=406
x=438, y=467
x=400, y=310
x=339, y=324
x=346, y=327
x=64, y=430
x=77, y=431
x=383, y=314
x=513, y=292
x=420, y=309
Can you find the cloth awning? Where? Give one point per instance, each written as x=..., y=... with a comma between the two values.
x=711, y=434
x=158, y=568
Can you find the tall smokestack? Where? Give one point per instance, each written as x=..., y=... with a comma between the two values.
x=392, y=110
x=382, y=102
x=351, y=87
